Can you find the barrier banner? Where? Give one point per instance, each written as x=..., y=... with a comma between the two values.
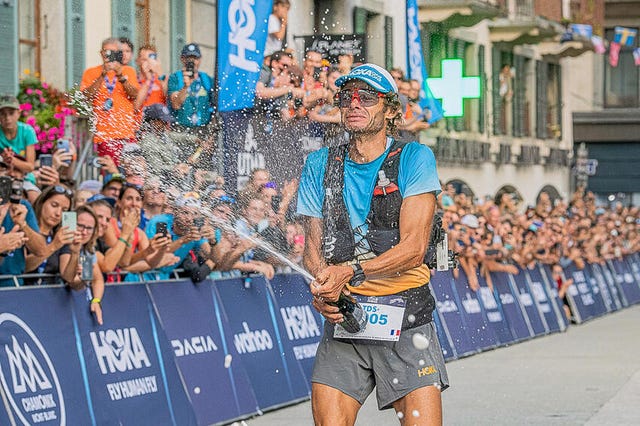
x=598, y=272
x=212, y=371
x=519, y=283
x=42, y=379
x=633, y=266
x=598, y=298
x=625, y=280
x=302, y=324
x=552, y=292
x=128, y=362
x=242, y=35
x=579, y=294
x=449, y=309
x=537, y=288
x=443, y=337
x=513, y=311
x=493, y=313
x=481, y=335
x=250, y=311
x=612, y=282
x=601, y=287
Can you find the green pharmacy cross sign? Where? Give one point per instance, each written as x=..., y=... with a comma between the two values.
x=453, y=87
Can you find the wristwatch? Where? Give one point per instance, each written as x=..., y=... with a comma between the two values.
x=123, y=79
x=358, y=275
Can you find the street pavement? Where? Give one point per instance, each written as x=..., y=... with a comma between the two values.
x=588, y=375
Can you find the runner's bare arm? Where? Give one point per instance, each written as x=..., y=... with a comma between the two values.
x=313, y=260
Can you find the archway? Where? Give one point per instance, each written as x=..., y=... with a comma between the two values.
x=551, y=191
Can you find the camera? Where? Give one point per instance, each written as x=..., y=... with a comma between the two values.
x=46, y=160
x=198, y=222
x=113, y=55
x=5, y=189
x=189, y=68
x=17, y=191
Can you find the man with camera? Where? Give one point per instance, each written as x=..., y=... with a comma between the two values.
x=111, y=88
x=368, y=207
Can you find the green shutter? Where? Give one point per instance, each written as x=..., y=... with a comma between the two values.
x=483, y=82
x=9, y=47
x=519, y=96
x=497, y=101
x=178, y=21
x=541, y=99
x=360, y=16
x=558, y=71
x=388, y=42
x=123, y=19
x=74, y=39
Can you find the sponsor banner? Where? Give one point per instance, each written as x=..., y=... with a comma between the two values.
x=481, y=335
x=212, y=371
x=242, y=34
x=598, y=298
x=598, y=273
x=598, y=284
x=42, y=382
x=633, y=266
x=128, y=362
x=301, y=323
x=580, y=295
x=513, y=310
x=493, y=313
x=331, y=46
x=443, y=337
x=626, y=281
x=528, y=303
x=448, y=308
x=538, y=290
x=612, y=284
x=252, y=330
x=552, y=292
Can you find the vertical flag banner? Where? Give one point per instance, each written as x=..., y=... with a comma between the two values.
x=636, y=56
x=614, y=53
x=598, y=45
x=417, y=66
x=581, y=31
x=242, y=35
x=625, y=36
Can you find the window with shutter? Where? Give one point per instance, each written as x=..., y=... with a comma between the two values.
x=518, y=104
x=123, y=19
x=360, y=17
x=28, y=35
x=388, y=42
x=74, y=39
x=483, y=81
x=9, y=47
x=178, y=20
x=541, y=99
x=496, y=63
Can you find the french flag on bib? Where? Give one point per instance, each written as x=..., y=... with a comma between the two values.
x=395, y=332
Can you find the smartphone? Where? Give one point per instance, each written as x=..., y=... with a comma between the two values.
x=87, y=267
x=161, y=228
x=189, y=68
x=491, y=252
x=95, y=162
x=198, y=222
x=69, y=219
x=17, y=191
x=5, y=189
x=64, y=145
x=46, y=160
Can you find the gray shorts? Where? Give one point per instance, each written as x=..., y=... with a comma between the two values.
x=355, y=367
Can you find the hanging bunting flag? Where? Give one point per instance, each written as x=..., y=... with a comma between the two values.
x=598, y=44
x=614, y=53
x=417, y=66
x=625, y=36
x=636, y=55
x=581, y=31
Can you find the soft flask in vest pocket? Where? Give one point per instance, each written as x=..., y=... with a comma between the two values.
x=384, y=216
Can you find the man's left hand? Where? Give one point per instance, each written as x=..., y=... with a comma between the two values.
x=331, y=281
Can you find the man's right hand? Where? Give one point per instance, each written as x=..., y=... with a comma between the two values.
x=11, y=240
x=330, y=312
x=188, y=79
x=130, y=220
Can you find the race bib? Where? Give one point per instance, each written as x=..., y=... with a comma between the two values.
x=384, y=319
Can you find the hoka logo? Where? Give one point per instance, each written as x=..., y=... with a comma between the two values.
x=26, y=371
x=299, y=322
x=119, y=350
x=369, y=73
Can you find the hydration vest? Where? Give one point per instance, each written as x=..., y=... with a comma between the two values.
x=383, y=219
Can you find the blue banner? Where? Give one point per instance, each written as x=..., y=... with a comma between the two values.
x=597, y=282
x=211, y=369
x=480, y=334
x=301, y=323
x=242, y=35
x=443, y=337
x=615, y=290
x=598, y=274
x=417, y=65
x=493, y=313
x=251, y=314
x=580, y=295
x=554, y=296
x=538, y=290
x=634, y=268
x=511, y=307
x=449, y=309
x=626, y=281
x=519, y=283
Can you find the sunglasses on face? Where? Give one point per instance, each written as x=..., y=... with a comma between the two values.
x=365, y=97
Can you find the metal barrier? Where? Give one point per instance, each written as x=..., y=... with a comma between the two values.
x=41, y=277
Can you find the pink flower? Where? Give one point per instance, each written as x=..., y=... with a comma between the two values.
x=31, y=121
x=42, y=100
x=38, y=92
x=29, y=91
x=57, y=116
x=42, y=136
x=45, y=85
x=26, y=107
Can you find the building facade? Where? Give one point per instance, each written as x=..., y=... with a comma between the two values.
x=517, y=137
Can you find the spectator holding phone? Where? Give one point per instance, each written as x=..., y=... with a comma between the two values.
x=153, y=82
x=111, y=89
x=16, y=137
x=277, y=27
x=189, y=91
x=79, y=267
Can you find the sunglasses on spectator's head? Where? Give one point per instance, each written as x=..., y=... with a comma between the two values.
x=365, y=97
x=59, y=189
x=126, y=185
x=271, y=185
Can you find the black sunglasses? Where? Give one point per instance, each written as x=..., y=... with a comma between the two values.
x=59, y=189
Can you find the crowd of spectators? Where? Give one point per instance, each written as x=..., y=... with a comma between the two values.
x=160, y=210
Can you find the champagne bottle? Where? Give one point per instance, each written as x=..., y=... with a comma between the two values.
x=355, y=318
